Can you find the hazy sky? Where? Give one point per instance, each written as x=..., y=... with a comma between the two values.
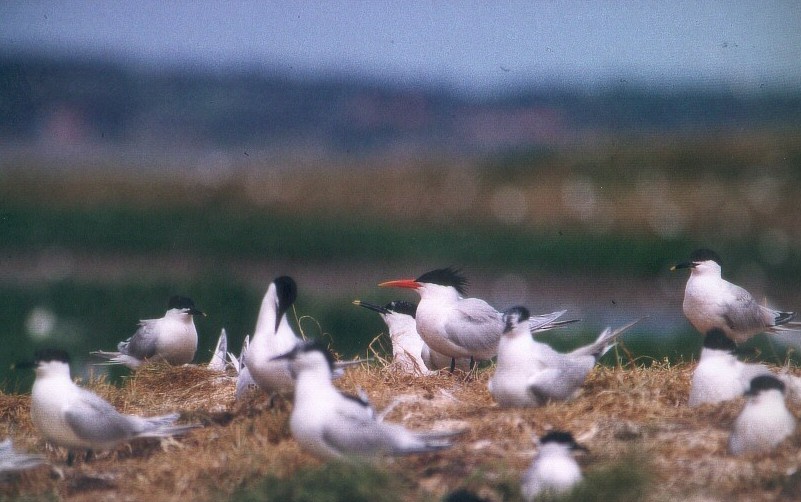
x=472, y=46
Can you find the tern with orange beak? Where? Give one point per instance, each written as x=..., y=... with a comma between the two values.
x=457, y=326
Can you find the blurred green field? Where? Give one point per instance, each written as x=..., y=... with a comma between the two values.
x=99, y=246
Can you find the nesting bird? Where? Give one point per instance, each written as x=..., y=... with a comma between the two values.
x=720, y=376
x=530, y=373
x=712, y=302
x=331, y=424
x=553, y=471
x=70, y=416
x=456, y=326
x=409, y=352
x=764, y=421
x=172, y=338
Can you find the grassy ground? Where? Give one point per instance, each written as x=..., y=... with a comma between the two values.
x=644, y=442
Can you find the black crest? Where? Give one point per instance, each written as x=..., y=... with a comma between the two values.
x=316, y=345
x=286, y=290
x=704, y=254
x=448, y=276
x=183, y=303
x=765, y=382
x=514, y=316
x=402, y=307
x=716, y=339
x=47, y=355
x=560, y=437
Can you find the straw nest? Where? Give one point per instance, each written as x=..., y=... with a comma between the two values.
x=632, y=418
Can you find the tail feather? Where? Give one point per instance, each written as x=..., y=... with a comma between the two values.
x=114, y=358
x=545, y=322
x=164, y=426
x=217, y=362
x=784, y=318
x=605, y=341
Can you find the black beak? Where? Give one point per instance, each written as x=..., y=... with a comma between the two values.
x=371, y=306
x=686, y=264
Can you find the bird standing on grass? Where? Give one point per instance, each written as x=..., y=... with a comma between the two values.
x=712, y=302
x=765, y=420
x=172, y=338
x=720, y=376
x=456, y=326
x=530, y=373
x=409, y=352
x=73, y=417
x=554, y=471
x=332, y=425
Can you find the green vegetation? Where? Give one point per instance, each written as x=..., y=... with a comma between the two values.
x=331, y=482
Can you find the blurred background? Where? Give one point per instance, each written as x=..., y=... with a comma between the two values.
x=563, y=154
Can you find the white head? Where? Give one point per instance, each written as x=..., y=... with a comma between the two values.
x=702, y=262
x=398, y=314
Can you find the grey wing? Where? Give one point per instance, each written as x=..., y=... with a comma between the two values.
x=93, y=419
x=354, y=430
x=745, y=314
x=476, y=326
x=559, y=383
x=142, y=345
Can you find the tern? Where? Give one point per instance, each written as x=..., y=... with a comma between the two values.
x=12, y=461
x=410, y=353
x=530, y=373
x=70, y=416
x=764, y=421
x=331, y=425
x=720, y=376
x=273, y=337
x=456, y=326
x=712, y=302
x=553, y=471
x=172, y=338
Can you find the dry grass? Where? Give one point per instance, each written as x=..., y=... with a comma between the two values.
x=634, y=418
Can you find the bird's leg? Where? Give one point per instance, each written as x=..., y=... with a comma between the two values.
x=453, y=364
x=70, y=458
x=472, y=363
x=90, y=455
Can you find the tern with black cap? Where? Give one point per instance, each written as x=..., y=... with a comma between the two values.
x=529, y=373
x=457, y=326
x=713, y=302
x=334, y=425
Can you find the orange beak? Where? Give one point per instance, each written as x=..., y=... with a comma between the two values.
x=402, y=283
